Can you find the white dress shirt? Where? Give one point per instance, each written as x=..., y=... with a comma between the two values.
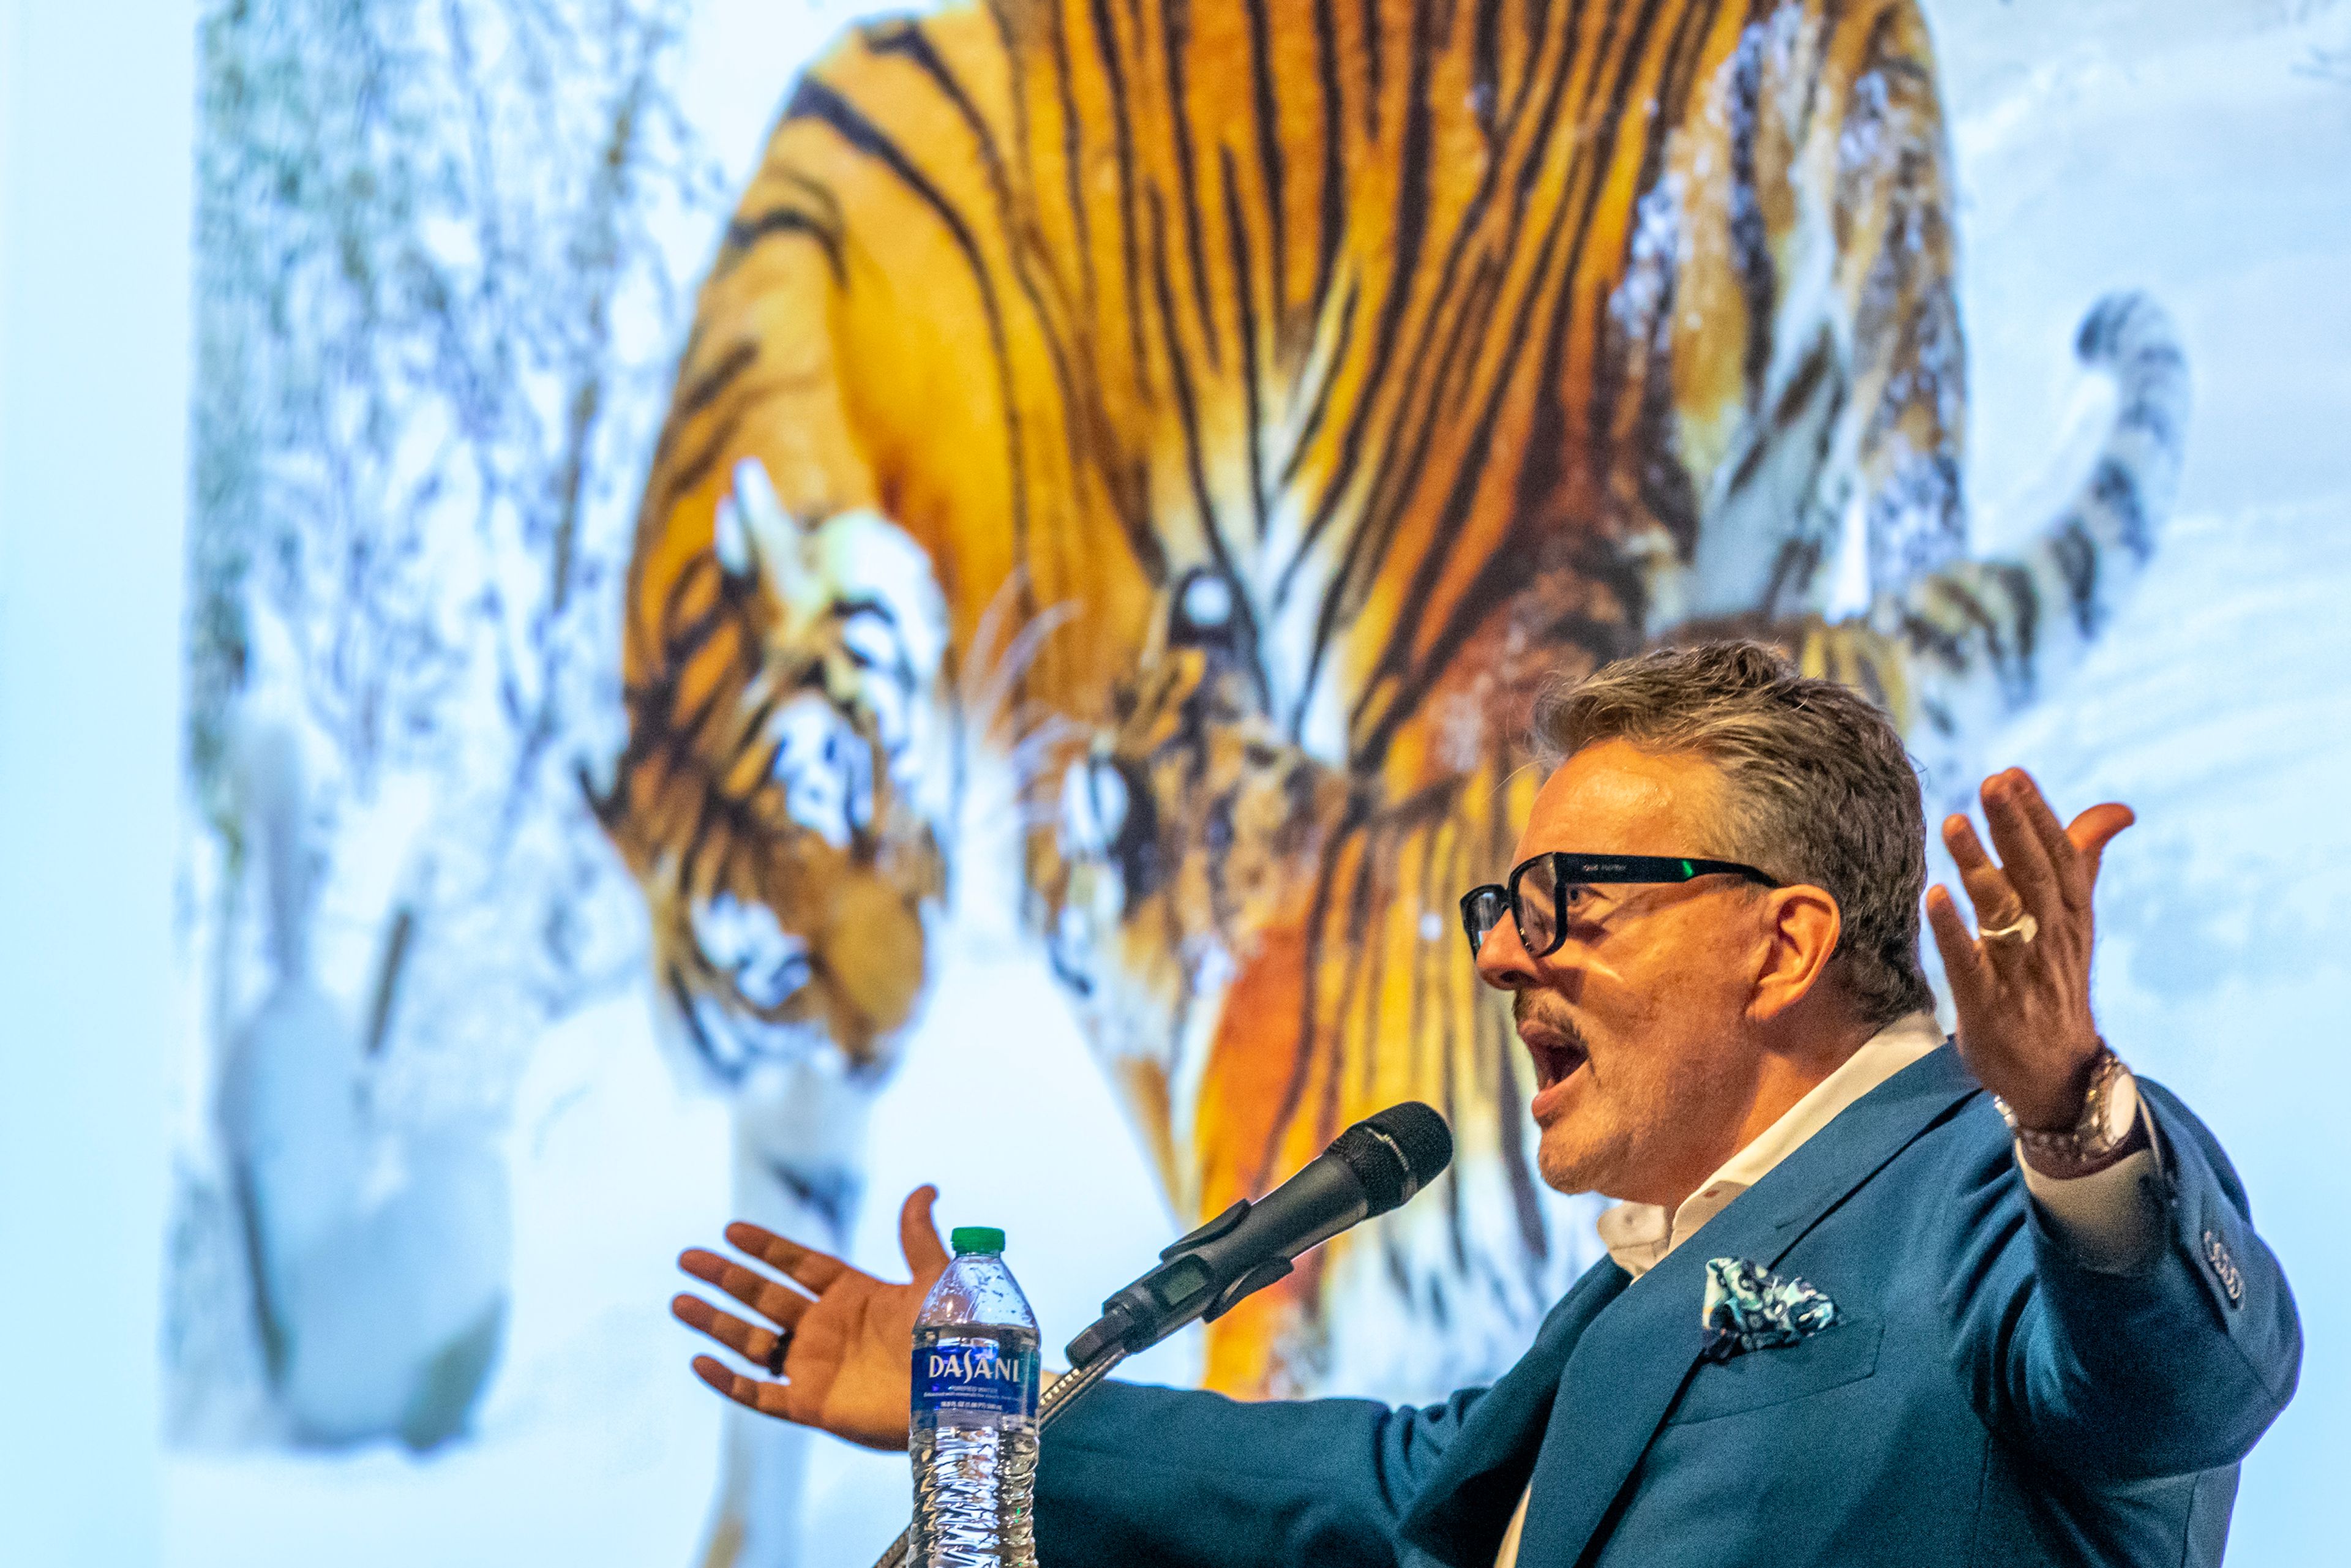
x=2099, y=1215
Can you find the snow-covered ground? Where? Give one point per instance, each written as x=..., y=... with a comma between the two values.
x=2201, y=150
x=596, y=1445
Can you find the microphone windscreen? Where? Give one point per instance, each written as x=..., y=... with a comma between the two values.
x=1396, y=1153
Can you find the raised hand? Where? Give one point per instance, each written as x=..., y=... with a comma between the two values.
x=846, y=1350
x=2022, y=988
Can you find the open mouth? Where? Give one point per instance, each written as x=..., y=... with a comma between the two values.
x=1556, y=1055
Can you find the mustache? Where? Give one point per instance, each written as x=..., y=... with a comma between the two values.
x=1529, y=1005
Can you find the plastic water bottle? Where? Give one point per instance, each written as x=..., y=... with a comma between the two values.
x=973, y=1427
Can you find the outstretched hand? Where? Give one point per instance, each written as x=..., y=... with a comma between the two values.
x=846, y=1346
x=2023, y=996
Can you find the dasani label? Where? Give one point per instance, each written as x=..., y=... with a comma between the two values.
x=973, y=1379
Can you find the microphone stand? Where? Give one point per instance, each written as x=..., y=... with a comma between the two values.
x=1054, y=1400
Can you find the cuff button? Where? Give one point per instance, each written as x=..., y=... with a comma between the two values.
x=2224, y=1268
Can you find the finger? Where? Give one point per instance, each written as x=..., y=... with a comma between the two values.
x=2066, y=862
x=918, y=1233
x=749, y=1342
x=2023, y=859
x=779, y=1303
x=1995, y=901
x=2092, y=831
x=1964, y=960
x=804, y=1265
x=767, y=1399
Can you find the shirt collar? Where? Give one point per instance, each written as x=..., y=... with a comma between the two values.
x=1639, y=1235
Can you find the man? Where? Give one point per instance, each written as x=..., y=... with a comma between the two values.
x=1872, y=1297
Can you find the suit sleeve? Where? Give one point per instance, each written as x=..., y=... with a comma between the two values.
x=1135, y=1477
x=2173, y=1366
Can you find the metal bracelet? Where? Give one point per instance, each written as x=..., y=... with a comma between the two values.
x=2072, y=1143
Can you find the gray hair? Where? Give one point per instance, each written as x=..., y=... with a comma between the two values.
x=1818, y=789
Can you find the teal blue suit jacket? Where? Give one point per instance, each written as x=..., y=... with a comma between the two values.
x=1984, y=1399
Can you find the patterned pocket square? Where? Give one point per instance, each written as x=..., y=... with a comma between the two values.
x=1750, y=1307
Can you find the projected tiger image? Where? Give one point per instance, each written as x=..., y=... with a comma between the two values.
x=1192, y=434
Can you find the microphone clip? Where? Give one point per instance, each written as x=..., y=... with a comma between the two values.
x=1256, y=1280
x=1182, y=1288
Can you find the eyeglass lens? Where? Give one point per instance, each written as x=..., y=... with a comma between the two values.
x=1535, y=891
x=1538, y=906
x=1487, y=908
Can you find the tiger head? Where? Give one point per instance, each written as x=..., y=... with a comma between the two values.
x=772, y=798
x=1180, y=832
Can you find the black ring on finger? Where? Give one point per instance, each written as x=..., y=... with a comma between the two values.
x=776, y=1356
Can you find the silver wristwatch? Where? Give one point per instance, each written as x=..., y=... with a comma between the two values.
x=2109, y=1113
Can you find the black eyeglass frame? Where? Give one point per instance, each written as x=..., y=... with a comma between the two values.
x=1568, y=869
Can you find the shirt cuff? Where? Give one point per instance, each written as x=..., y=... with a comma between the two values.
x=2104, y=1220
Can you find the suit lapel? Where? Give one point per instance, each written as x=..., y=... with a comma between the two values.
x=1626, y=1369
x=1466, y=1505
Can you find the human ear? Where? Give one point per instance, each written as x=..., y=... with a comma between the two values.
x=1800, y=925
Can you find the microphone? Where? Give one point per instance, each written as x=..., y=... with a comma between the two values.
x=1369, y=1169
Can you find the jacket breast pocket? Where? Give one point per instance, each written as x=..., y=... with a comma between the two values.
x=1844, y=1353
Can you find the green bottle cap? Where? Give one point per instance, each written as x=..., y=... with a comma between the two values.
x=976, y=1238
